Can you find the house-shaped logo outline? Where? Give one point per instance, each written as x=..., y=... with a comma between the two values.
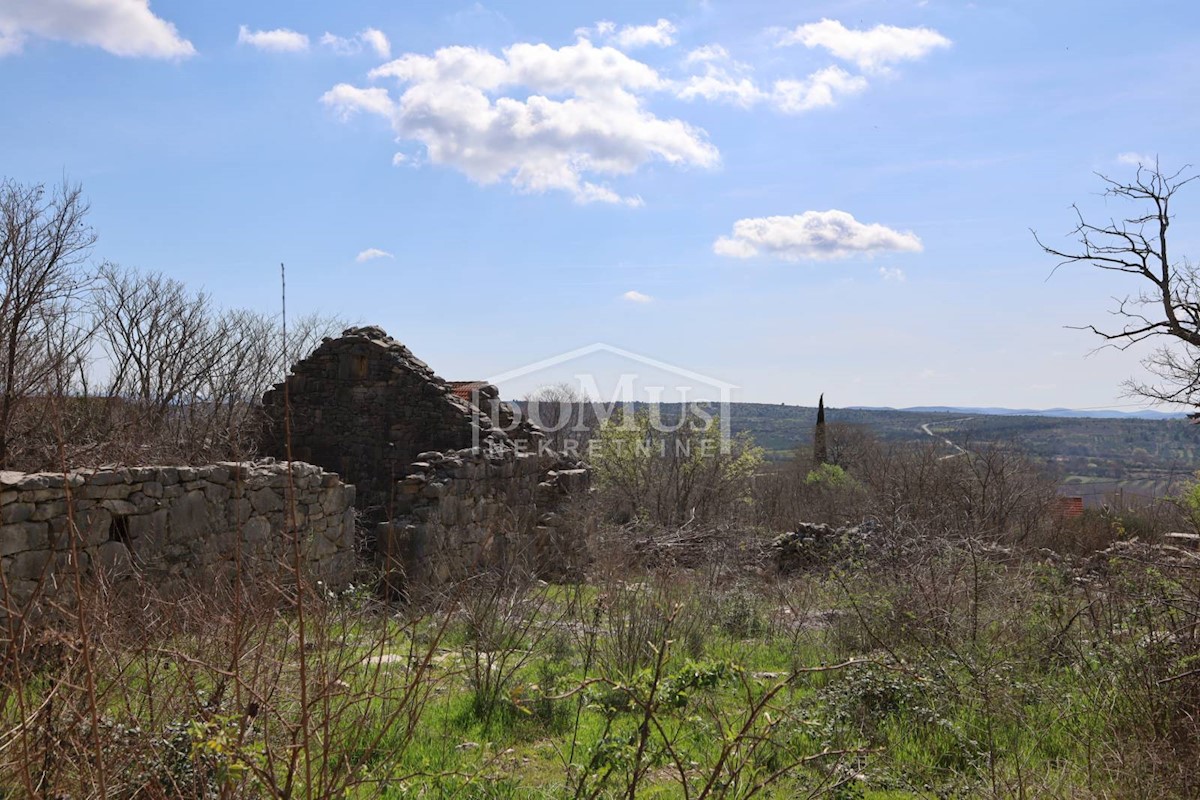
x=725, y=388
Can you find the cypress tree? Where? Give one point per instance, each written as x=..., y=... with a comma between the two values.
x=820, y=448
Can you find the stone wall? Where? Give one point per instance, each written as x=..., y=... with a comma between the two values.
x=447, y=490
x=461, y=512
x=175, y=526
x=365, y=407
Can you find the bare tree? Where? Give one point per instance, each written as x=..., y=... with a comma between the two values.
x=185, y=377
x=160, y=337
x=44, y=241
x=564, y=414
x=1166, y=310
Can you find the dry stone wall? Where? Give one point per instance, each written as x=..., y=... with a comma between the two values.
x=480, y=508
x=174, y=526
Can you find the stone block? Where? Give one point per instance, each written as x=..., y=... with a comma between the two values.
x=50, y=510
x=148, y=533
x=123, y=508
x=109, y=477
x=216, y=493
x=63, y=565
x=21, y=536
x=318, y=547
x=116, y=491
x=265, y=501
x=94, y=526
x=256, y=530
x=189, y=517
x=17, y=512
x=27, y=566
x=142, y=503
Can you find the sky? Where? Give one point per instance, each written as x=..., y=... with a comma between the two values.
x=791, y=198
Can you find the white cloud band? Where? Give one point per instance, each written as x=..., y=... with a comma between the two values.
x=813, y=236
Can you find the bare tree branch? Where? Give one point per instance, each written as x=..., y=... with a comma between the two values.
x=1168, y=310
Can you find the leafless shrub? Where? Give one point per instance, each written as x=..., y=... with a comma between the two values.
x=637, y=616
x=507, y=616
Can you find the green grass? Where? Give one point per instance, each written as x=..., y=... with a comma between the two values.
x=984, y=682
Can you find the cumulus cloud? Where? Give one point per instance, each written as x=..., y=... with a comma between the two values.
x=660, y=34
x=872, y=50
x=121, y=27
x=812, y=236
x=279, y=40
x=346, y=101
x=372, y=253
x=892, y=274
x=709, y=52
x=371, y=38
x=820, y=89
x=542, y=118
x=631, y=37
x=634, y=296
x=717, y=84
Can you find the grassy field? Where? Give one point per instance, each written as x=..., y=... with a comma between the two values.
x=948, y=671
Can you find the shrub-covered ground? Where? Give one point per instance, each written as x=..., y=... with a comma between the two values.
x=940, y=669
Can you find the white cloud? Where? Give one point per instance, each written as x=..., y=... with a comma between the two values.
x=813, y=235
x=372, y=253
x=709, y=52
x=377, y=41
x=120, y=27
x=872, y=50
x=820, y=89
x=631, y=37
x=347, y=100
x=635, y=296
x=542, y=118
x=892, y=274
x=1137, y=159
x=717, y=84
x=279, y=40
x=371, y=37
x=660, y=34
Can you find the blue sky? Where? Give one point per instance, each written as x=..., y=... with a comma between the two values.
x=791, y=197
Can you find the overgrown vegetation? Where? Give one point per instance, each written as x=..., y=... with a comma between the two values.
x=948, y=653
x=947, y=669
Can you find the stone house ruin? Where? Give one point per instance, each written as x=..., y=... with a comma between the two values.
x=443, y=485
x=446, y=483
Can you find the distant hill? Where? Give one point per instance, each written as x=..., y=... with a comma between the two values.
x=1147, y=413
x=1091, y=452
x=1094, y=454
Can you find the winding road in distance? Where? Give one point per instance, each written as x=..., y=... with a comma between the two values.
x=961, y=451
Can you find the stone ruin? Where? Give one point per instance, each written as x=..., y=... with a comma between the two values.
x=443, y=485
x=447, y=484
